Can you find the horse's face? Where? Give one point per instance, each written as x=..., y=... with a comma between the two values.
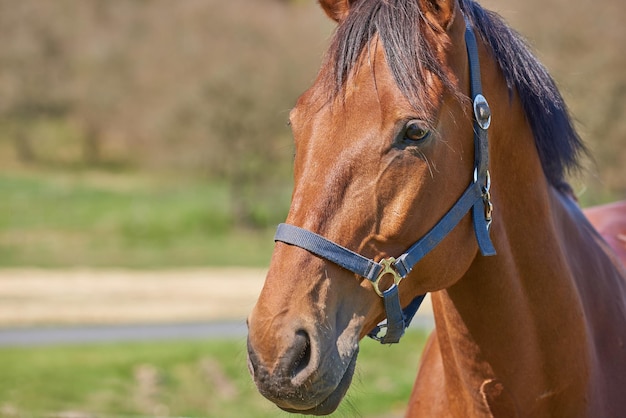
x=374, y=175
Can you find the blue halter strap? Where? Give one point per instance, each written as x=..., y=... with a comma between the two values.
x=476, y=198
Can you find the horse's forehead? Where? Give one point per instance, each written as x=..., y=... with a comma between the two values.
x=370, y=86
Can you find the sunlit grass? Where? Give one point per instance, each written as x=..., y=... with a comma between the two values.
x=126, y=220
x=189, y=378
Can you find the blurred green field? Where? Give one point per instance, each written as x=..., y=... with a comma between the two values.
x=133, y=219
x=132, y=135
x=129, y=219
x=207, y=379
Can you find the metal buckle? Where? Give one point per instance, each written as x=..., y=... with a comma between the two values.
x=487, y=200
x=379, y=332
x=486, y=189
x=388, y=268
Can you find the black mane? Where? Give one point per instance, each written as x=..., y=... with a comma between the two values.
x=403, y=31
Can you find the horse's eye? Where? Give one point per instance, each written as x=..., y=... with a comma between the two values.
x=415, y=131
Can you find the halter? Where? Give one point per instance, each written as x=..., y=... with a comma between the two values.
x=476, y=198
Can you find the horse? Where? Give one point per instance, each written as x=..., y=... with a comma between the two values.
x=610, y=221
x=430, y=157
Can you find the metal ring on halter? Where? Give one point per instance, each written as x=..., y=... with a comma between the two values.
x=388, y=268
x=487, y=185
x=487, y=182
x=486, y=189
x=487, y=200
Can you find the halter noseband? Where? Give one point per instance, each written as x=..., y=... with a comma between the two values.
x=476, y=198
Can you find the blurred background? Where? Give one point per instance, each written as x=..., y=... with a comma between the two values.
x=146, y=135
x=151, y=133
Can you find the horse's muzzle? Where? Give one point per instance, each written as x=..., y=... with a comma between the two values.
x=298, y=381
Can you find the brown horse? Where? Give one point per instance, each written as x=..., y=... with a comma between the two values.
x=610, y=221
x=386, y=145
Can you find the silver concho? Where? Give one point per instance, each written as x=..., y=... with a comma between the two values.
x=482, y=111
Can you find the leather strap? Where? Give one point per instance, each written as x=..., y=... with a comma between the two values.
x=327, y=249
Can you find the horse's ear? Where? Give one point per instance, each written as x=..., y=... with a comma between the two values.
x=336, y=9
x=439, y=12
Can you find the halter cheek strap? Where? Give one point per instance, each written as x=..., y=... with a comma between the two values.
x=476, y=198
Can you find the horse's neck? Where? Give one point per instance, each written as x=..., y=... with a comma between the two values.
x=515, y=320
x=523, y=331
x=523, y=326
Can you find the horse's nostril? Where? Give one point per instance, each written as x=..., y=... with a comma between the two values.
x=301, y=352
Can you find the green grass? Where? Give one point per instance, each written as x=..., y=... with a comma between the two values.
x=202, y=379
x=103, y=219
x=58, y=218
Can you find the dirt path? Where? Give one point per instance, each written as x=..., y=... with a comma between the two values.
x=30, y=297
x=53, y=297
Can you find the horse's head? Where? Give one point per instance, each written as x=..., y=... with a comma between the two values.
x=384, y=148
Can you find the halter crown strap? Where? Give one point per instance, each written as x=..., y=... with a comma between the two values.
x=481, y=214
x=475, y=198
